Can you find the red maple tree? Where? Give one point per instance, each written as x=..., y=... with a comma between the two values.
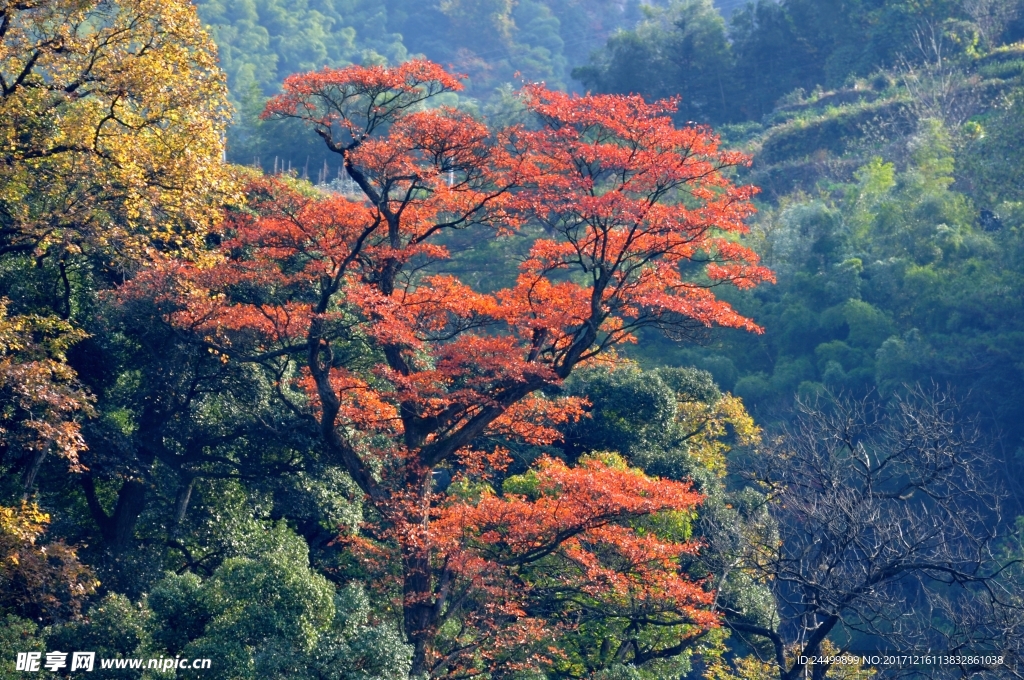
x=632, y=223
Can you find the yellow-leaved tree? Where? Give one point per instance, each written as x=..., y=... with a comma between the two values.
x=112, y=121
x=112, y=118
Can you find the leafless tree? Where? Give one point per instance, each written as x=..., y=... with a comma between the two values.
x=938, y=84
x=885, y=535
x=992, y=17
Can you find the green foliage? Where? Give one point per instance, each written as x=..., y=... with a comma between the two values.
x=780, y=47
x=991, y=171
x=115, y=628
x=262, y=614
x=630, y=411
x=672, y=422
x=540, y=51
x=754, y=388
x=17, y=635
x=774, y=53
x=680, y=50
x=354, y=649
x=867, y=326
x=263, y=41
x=892, y=277
x=268, y=615
x=690, y=385
x=178, y=608
x=263, y=628
x=832, y=131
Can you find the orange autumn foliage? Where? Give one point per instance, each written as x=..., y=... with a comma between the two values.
x=40, y=398
x=570, y=512
x=41, y=582
x=633, y=223
x=563, y=538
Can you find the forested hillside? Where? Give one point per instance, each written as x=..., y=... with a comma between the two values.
x=494, y=42
x=512, y=339
x=891, y=201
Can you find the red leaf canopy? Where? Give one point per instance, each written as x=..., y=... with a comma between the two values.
x=632, y=223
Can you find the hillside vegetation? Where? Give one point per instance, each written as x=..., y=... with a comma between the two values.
x=512, y=339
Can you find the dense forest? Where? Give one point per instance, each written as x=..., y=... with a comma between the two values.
x=512, y=339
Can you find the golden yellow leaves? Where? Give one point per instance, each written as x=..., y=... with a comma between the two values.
x=112, y=117
x=24, y=524
x=40, y=582
x=709, y=425
x=741, y=668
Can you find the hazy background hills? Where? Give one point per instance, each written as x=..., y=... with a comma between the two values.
x=885, y=137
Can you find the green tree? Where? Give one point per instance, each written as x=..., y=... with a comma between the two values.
x=680, y=50
x=262, y=42
x=17, y=635
x=675, y=423
x=268, y=615
x=115, y=628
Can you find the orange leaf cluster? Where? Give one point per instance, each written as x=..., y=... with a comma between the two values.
x=407, y=369
x=629, y=198
x=382, y=93
x=40, y=398
x=569, y=538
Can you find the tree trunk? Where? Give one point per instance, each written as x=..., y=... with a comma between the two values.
x=181, y=505
x=131, y=501
x=420, y=612
x=418, y=608
x=33, y=470
x=117, y=528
